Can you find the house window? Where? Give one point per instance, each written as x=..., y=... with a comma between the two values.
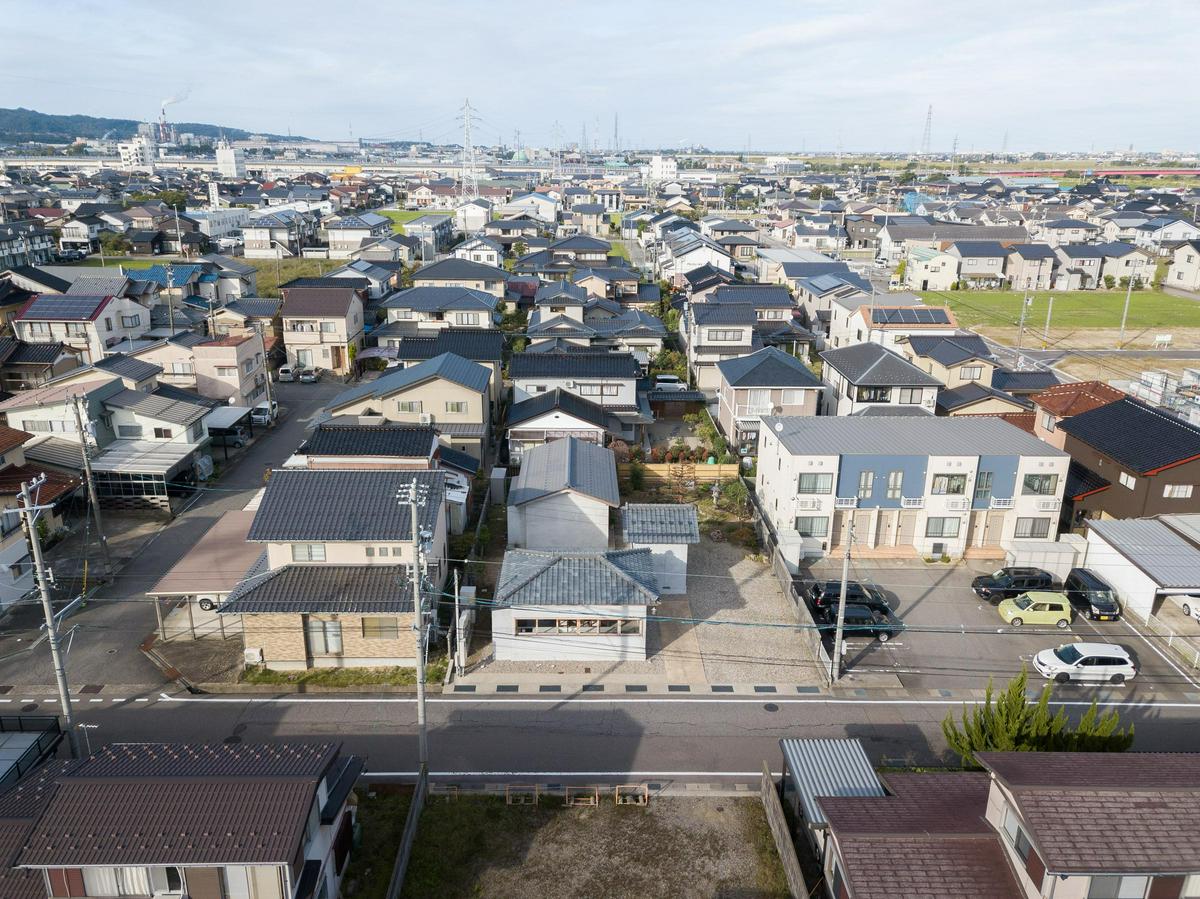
x=131, y=321
x=1127, y=480
x=129, y=430
x=971, y=372
x=910, y=396
x=408, y=405
x=116, y=881
x=308, y=552
x=1177, y=491
x=874, y=394
x=812, y=525
x=942, y=527
x=456, y=408
x=866, y=483
x=895, y=484
x=227, y=371
x=75, y=329
x=612, y=389
x=1032, y=528
x=1039, y=484
x=328, y=327
x=381, y=628
x=1048, y=421
x=163, y=433
x=814, y=483
x=107, y=323
x=589, y=390
x=793, y=398
x=324, y=638
x=38, y=329
x=949, y=484
x=983, y=485
x=182, y=368
x=724, y=336
x=42, y=427
x=467, y=318
x=1115, y=886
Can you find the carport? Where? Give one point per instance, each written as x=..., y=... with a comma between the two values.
x=225, y=418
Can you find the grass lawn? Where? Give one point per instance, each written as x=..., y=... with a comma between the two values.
x=381, y=823
x=1072, y=309
x=273, y=272
x=435, y=671
x=400, y=216
x=619, y=249
x=480, y=846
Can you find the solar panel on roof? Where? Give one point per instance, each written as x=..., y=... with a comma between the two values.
x=910, y=315
x=78, y=307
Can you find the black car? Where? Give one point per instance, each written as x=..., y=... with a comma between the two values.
x=1091, y=595
x=861, y=620
x=1009, y=582
x=825, y=595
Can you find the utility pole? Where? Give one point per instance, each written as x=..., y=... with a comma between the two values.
x=1026, y=302
x=29, y=510
x=86, y=446
x=415, y=495
x=454, y=650
x=835, y=662
x=171, y=295
x=258, y=326
x=1125, y=312
x=1049, y=312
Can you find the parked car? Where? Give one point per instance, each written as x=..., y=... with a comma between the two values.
x=264, y=413
x=1091, y=595
x=1009, y=582
x=235, y=436
x=669, y=382
x=861, y=619
x=1086, y=662
x=285, y=373
x=825, y=595
x=309, y=375
x=1038, y=607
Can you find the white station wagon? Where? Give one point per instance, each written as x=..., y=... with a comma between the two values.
x=1097, y=663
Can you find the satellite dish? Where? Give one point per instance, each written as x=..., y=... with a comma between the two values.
x=779, y=427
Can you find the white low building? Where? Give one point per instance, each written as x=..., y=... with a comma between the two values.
x=1147, y=560
x=667, y=530
x=573, y=606
x=561, y=497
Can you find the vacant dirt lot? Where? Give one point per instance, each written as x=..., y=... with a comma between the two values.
x=711, y=847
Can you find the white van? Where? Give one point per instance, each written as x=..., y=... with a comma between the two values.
x=1096, y=663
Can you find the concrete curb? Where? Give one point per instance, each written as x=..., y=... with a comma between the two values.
x=278, y=689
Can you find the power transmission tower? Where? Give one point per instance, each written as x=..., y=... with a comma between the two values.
x=469, y=182
x=1004, y=145
x=927, y=136
x=616, y=135
x=583, y=141
x=954, y=149
x=30, y=511
x=556, y=164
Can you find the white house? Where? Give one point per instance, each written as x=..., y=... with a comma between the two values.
x=561, y=497
x=1146, y=560
x=667, y=530
x=92, y=325
x=573, y=605
x=1185, y=267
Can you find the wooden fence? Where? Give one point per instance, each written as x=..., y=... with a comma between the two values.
x=656, y=472
x=777, y=821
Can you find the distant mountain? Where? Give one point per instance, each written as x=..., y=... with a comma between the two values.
x=20, y=125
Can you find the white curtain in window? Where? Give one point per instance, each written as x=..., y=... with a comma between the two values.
x=134, y=881
x=100, y=881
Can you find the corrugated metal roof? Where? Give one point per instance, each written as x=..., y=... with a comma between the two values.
x=828, y=768
x=448, y=366
x=566, y=464
x=922, y=436
x=1150, y=544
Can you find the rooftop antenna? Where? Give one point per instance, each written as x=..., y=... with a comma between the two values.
x=927, y=136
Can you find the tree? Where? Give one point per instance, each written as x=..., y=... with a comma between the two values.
x=901, y=269
x=176, y=199
x=114, y=244
x=821, y=192
x=520, y=248
x=1110, y=282
x=1010, y=723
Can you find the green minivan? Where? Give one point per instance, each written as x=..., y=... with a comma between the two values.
x=1037, y=607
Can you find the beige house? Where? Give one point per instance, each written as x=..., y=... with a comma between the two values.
x=322, y=327
x=955, y=360
x=448, y=392
x=455, y=272
x=334, y=590
x=769, y=382
x=1029, y=266
x=229, y=368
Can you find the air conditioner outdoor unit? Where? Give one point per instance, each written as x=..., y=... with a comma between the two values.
x=426, y=418
x=253, y=656
x=939, y=549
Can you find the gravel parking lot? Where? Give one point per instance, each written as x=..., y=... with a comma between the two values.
x=953, y=640
x=725, y=584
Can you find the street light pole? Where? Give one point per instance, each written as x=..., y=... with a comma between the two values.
x=1049, y=311
x=1125, y=312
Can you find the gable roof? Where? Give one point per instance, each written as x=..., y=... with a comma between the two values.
x=579, y=466
x=455, y=269
x=436, y=299
x=341, y=589
x=1138, y=436
x=318, y=301
x=58, y=307
x=447, y=366
x=476, y=344
x=769, y=367
x=303, y=505
x=950, y=350
x=723, y=313
x=659, y=523
x=973, y=392
x=1076, y=397
x=573, y=365
x=622, y=577
x=128, y=367
x=562, y=400
x=923, y=435
x=371, y=440
x=872, y=365
x=759, y=295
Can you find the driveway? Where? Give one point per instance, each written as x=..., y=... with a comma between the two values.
x=955, y=641
x=103, y=639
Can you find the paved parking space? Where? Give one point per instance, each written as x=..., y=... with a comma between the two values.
x=952, y=640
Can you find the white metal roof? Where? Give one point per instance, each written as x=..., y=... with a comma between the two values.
x=828, y=768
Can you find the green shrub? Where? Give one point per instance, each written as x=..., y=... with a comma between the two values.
x=637, y=475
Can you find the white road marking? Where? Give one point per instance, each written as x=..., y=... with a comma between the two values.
x=1160, y=654
x=101, y=700
x=370, y=774
x=141, y=699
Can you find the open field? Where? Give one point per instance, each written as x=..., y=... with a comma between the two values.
x=1073, y=310
x=477, y=846
x=273, y=272
x=1127, y=365
x=400, y=216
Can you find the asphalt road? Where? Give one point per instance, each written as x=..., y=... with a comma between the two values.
x=106, y=635
x=549, y=738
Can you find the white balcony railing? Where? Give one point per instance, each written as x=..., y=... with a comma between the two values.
x=808, y=504
x=958, y=504
x=744, y=410
x=912, y=502
x=845, y=502
x=998, y=502
x=1048, y=505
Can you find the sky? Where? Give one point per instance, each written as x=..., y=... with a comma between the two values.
x=1054, y=75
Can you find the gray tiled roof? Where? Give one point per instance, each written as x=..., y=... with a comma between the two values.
x=660, y=523
x=617, y=578
x=302, y=589
x=928, y=435
x=871, y=365
x=255, y=307
x=128, y=367
x=157, y=407
x=950, y=350
x=724, y=314
x=454, y=269
x=447, y=366
x=477, y=344
x=758, y=295
x=336, y=440
x=437, y=299
x=769, y=367
x=573, y=365
x=300, y=505
x=565, y=401
x=566, y=464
